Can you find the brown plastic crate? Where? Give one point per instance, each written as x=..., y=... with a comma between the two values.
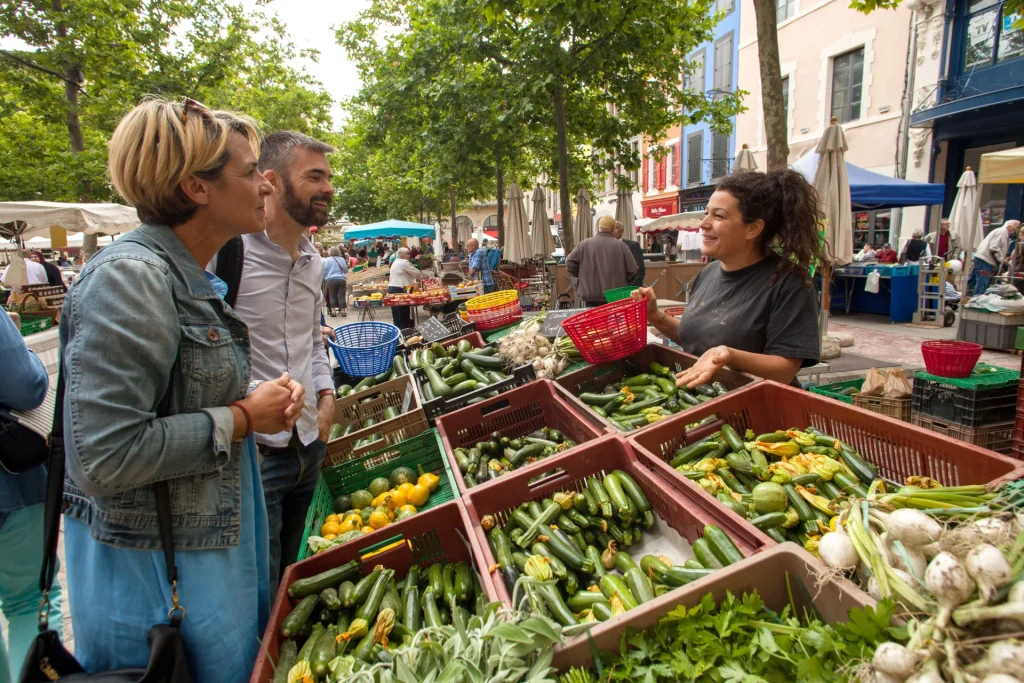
x=765, y=572
x=997, y=437
x=898, y=449
x=595, y=377
x=355, y=408
x=516, y=413
x=437, y=534
x=569, y=470
x=898, y=408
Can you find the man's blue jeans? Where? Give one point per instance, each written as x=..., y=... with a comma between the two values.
x=981, y=276
x=289, y=477
x=21, y=537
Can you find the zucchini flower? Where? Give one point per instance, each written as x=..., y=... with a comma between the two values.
x=749, y=435
x=782, y=472
x=705, y=465
x=713, y=484
x=819, y=502
x=923, y=483
x=494, y=465
x=563, y=499
x=801, y=438
x=783, y=449
x=655, y=417
x=792, y=518
x=822, y=465
x=538, y=567
x=357, y=629
x=811, y=545
x=630, y=396
x=385, y=622
x=301, y=673
x=616, y=605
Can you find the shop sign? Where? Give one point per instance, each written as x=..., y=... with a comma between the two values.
x=660, y=207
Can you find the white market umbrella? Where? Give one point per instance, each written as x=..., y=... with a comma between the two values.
x=517, y=247
x=36, y=218
x=744, y=160
x=540, y=229
x=624, y=212
x=965, y=220
x=832, y=184
x=584, y=221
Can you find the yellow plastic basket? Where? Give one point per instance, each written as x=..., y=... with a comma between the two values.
x=492, y=300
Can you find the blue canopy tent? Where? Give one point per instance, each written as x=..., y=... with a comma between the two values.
x=390, y=228
x=870, y=190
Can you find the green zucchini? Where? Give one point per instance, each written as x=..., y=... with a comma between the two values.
x=324, y=652
x=633, y=490
x=624, y=561
x=594, y=555
x=332, y=577
x=455, y=378
x=732, y=438
x=721, y=545
x=295, y=622
x=286, y=659
x=399, y=366
x=331, y=599
x=563, y=548
x=705, y=555
x=484, y=362
x=705, y=390
x=369, y=609
x=307, y=649
x=693, y=452
x=639, y=585
x=530, y=450
x=802, y=507
x=586, y=599
x=336, y=432
x=602, y=610
x=434, y=579
x=680, y=576
x=624, y=507
x=667, y=386
x=612, y=585
x=464, y=387
x=769, y=521
x=437, y=383
x=431, y=615
x=556, y=606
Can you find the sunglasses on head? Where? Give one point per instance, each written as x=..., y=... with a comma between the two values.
x=188, y=103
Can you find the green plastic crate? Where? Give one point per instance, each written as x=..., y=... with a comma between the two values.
x=424, y=450
x=984, y=377
x=30, y=324
x=1019, y=342
x=832, y=390
x=578, y=365
x=494, y=335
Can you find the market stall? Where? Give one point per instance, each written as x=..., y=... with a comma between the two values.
x=480, y=490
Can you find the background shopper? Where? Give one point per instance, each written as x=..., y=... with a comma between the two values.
x=336, y=277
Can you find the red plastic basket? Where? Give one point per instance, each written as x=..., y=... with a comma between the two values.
x=430, y=536
x=513, y=414
x=687, y=514
x=950, y=358
x=899, y=450
x=494, y=310
x=610, y=332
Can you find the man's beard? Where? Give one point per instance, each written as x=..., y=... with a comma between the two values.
x=304, y=213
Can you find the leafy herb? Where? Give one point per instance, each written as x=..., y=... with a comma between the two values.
x=742, y=641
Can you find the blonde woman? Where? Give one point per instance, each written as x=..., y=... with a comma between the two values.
x=144, y=325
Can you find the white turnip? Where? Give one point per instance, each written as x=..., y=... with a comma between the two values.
x=912, y=527
x=987, y=565
x=1003, y=657
x=949, y=582
x=836, y=550
x=894, y=660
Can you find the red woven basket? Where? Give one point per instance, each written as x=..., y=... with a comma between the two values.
x=611, y=332
x=950, y=358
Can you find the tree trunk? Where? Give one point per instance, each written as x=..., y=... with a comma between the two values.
x=501, y=203
x=565, y=204
x=455, y=236
x=766, y=14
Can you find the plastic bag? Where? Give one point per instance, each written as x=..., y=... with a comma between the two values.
x=896, y=384
x=16, y=274
x=871, y=285
x=874, y=383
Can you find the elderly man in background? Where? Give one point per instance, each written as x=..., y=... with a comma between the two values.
x=993, y=251
x=403, y=274
x=943, y=243
x=480, y=264
x=638, y=255
x=600, y=263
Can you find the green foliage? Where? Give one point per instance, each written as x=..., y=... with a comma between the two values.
x=118, y=52
x=740, y=640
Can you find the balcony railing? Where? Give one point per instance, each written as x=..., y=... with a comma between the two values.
x=710, y=170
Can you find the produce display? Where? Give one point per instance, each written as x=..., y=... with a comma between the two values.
x=342, y=623
x=385, y=500
x=434, y=295
x=399, y=368
x=568, y=553
x=375, y=299
x=645, y=398
x=525, y=345
x=457, y=370
x=497, y=455
x=741, y=639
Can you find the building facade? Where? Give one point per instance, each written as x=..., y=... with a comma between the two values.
x=660, y=176
x=706, y=155
x=968, y=99
x=836, y=62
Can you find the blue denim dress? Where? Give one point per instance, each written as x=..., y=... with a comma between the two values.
x=225, y=592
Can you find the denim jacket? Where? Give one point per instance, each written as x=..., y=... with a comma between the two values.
x=142, y=321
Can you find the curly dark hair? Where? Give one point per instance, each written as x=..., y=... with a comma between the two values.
x=788, y=205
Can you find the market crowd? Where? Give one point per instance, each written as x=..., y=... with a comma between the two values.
x=193, y=357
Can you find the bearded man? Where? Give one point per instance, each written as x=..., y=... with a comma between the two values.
x=274, y=284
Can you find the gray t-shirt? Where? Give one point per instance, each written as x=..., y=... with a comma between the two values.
x=752, y=309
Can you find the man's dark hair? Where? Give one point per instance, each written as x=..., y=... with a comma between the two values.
x=277, y=149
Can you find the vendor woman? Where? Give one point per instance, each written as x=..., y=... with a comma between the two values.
x=754, y=308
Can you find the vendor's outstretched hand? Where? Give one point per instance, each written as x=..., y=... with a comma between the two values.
x=646, y=293
x=705, y=368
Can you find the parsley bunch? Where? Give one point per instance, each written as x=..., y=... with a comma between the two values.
x=742, y=641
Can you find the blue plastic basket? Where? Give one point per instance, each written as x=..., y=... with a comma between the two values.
x=365, y=349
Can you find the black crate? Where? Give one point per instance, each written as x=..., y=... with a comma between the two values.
x=967, y=407
x=436, y=407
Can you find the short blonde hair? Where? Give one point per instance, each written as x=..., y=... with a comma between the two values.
x=159, y=143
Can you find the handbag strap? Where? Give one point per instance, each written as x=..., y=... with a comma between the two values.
x=54, y=507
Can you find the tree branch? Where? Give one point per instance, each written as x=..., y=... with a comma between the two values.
x=33, y=65
x=604, y=39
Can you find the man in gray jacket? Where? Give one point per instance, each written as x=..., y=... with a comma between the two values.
x=600, y=263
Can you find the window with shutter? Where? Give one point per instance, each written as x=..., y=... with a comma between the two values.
x=694, y=150
x=847, y=79
x=661, y=174
x=669, y=161
x=723, y=64
x=697, y=76
x=724, y=6
x=646, y=184
x=719, y=155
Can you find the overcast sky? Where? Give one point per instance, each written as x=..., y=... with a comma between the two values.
x=309, y=24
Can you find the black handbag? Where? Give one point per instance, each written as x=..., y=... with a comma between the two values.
x=47, y=660
x=21, y=449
